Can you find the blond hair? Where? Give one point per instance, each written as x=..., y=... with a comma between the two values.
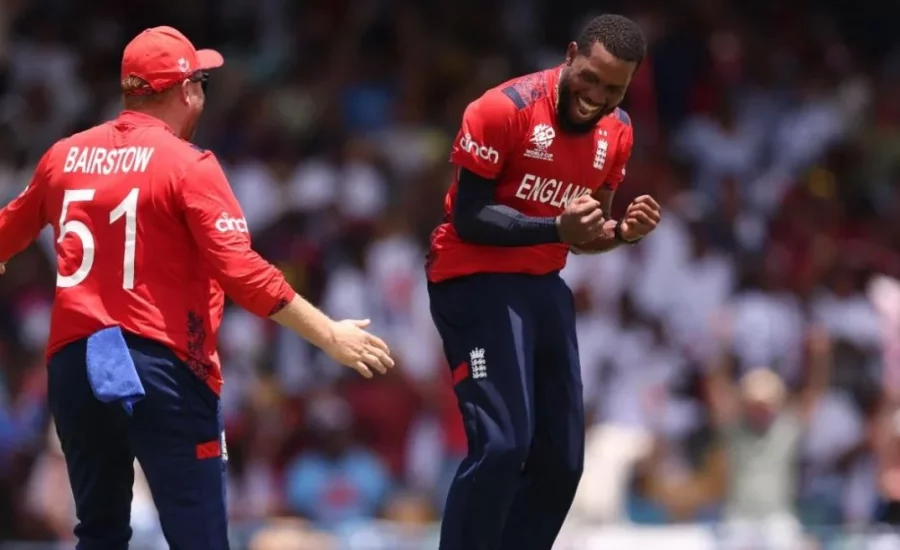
x=137, y=92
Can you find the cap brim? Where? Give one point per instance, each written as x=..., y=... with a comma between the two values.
x=209, y=59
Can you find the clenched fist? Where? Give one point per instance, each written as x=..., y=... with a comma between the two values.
x=641, y=217
x=581, y=221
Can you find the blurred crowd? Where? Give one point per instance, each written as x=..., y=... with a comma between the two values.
x=740, y=365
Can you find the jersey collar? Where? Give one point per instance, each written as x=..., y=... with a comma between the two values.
x=553, y=78
x=136, y=118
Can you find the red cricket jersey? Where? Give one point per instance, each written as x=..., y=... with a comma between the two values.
x=510, y=135
x=148, y=234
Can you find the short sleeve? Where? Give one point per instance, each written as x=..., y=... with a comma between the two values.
x=484, y=137
x=622, y=154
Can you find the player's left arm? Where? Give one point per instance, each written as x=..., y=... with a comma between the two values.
x=22, y=219
x=641, y=216
x=208, y=202
x=216, y=222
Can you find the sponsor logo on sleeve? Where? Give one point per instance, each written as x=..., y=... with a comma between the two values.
x=469, y=145
x=227, y=224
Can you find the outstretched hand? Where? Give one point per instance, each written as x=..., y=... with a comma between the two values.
x=581, y=221
x=353, y=347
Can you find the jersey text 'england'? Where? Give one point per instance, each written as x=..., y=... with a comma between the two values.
x=549, y=190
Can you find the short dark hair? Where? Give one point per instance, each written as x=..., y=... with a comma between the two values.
x=621, y=36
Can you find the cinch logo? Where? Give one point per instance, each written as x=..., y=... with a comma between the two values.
x=472, y=147
x=227, y=223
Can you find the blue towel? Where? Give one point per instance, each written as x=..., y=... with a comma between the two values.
x=111, y=370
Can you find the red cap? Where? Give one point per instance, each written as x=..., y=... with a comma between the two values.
x=163, y=57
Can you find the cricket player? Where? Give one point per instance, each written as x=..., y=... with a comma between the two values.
x=538, y=160
x=149, y=238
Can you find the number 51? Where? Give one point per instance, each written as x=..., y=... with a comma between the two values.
x=127, y=208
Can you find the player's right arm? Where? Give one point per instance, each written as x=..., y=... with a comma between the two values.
x=257, y=285
x=480, y=152
x=22, y=219
x=489, y=127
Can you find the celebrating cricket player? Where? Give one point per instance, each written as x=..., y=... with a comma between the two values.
x=149, y=238
x=538, y=160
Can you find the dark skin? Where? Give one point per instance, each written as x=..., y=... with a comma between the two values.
x=592, y=85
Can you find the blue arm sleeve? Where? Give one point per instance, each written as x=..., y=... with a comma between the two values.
x=479, y=220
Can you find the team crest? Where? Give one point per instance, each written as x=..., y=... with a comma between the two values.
x=600, y=154
x=542, y=138
x=478, y=363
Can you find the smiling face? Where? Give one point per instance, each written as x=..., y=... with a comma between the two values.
x=592, y=85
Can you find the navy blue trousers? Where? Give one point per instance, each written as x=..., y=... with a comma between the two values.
x=511, y=344
x=175, y=433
